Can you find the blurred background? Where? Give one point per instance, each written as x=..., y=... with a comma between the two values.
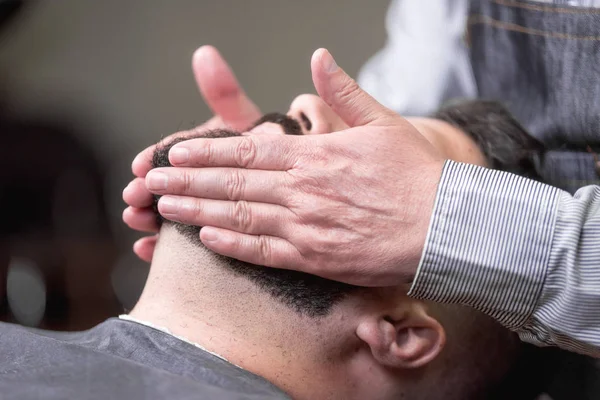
x=85, y=85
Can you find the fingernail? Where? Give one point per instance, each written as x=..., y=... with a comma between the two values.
x=209, y=235
x=157, y=180
x=168, y=205
x=328, y=62
x=179, y=155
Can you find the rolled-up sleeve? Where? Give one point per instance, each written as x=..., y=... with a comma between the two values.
x=525, y=253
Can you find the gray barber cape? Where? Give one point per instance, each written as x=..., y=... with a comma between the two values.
x=118, y=359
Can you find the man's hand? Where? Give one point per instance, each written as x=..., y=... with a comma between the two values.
x=353, y=206
x=232, y=108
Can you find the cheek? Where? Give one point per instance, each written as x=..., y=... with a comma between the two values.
x=470, y=153
x=370, y=380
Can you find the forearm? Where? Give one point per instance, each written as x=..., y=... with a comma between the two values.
x=567, y=312
x=520, y=251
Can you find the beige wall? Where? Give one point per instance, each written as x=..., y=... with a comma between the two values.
x=123, y=67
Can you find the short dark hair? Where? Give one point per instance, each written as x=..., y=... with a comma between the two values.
x=306, y=294
x=506, y=145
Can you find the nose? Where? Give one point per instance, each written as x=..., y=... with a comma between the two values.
x=315, y=116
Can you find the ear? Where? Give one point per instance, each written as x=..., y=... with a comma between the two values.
x=410, y=339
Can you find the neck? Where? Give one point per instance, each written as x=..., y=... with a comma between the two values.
x=228, y=315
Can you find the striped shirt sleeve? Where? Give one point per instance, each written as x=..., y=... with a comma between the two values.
x=525, y=253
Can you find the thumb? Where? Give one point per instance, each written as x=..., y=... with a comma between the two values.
x=221, y=90
x=343, y=94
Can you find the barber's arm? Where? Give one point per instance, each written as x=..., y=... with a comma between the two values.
x=378, y=205
x=523, y=252
x=537, y=269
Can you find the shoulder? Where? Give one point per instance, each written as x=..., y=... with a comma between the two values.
x=12, y=337
x=93, y=365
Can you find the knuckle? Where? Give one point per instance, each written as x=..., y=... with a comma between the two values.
x=235, y=185
x=193, y=211
x=245, y=152
x=187, y=183
x=264, y=250
x=208, y=152
x=321, y=248
x=241, y=216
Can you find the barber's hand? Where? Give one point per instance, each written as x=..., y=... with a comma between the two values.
x=353, y=206
x=232, y=108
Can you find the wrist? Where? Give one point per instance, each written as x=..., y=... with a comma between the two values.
x=426, y=192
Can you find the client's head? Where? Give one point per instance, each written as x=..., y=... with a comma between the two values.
x=305, y=294
x=316, y=338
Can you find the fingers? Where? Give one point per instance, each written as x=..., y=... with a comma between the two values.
x=219, y=183
x=142, y=163
x=239, y=216
x=137, y=195
x=221, y=90
x=268, y=152
x=343, y=94
x=144, y=247
x=260, y=250
x=140, y=219
x=222, y=93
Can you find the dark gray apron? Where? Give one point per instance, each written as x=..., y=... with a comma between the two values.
x=543, y=62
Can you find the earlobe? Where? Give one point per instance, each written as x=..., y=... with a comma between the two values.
x=410, y=341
